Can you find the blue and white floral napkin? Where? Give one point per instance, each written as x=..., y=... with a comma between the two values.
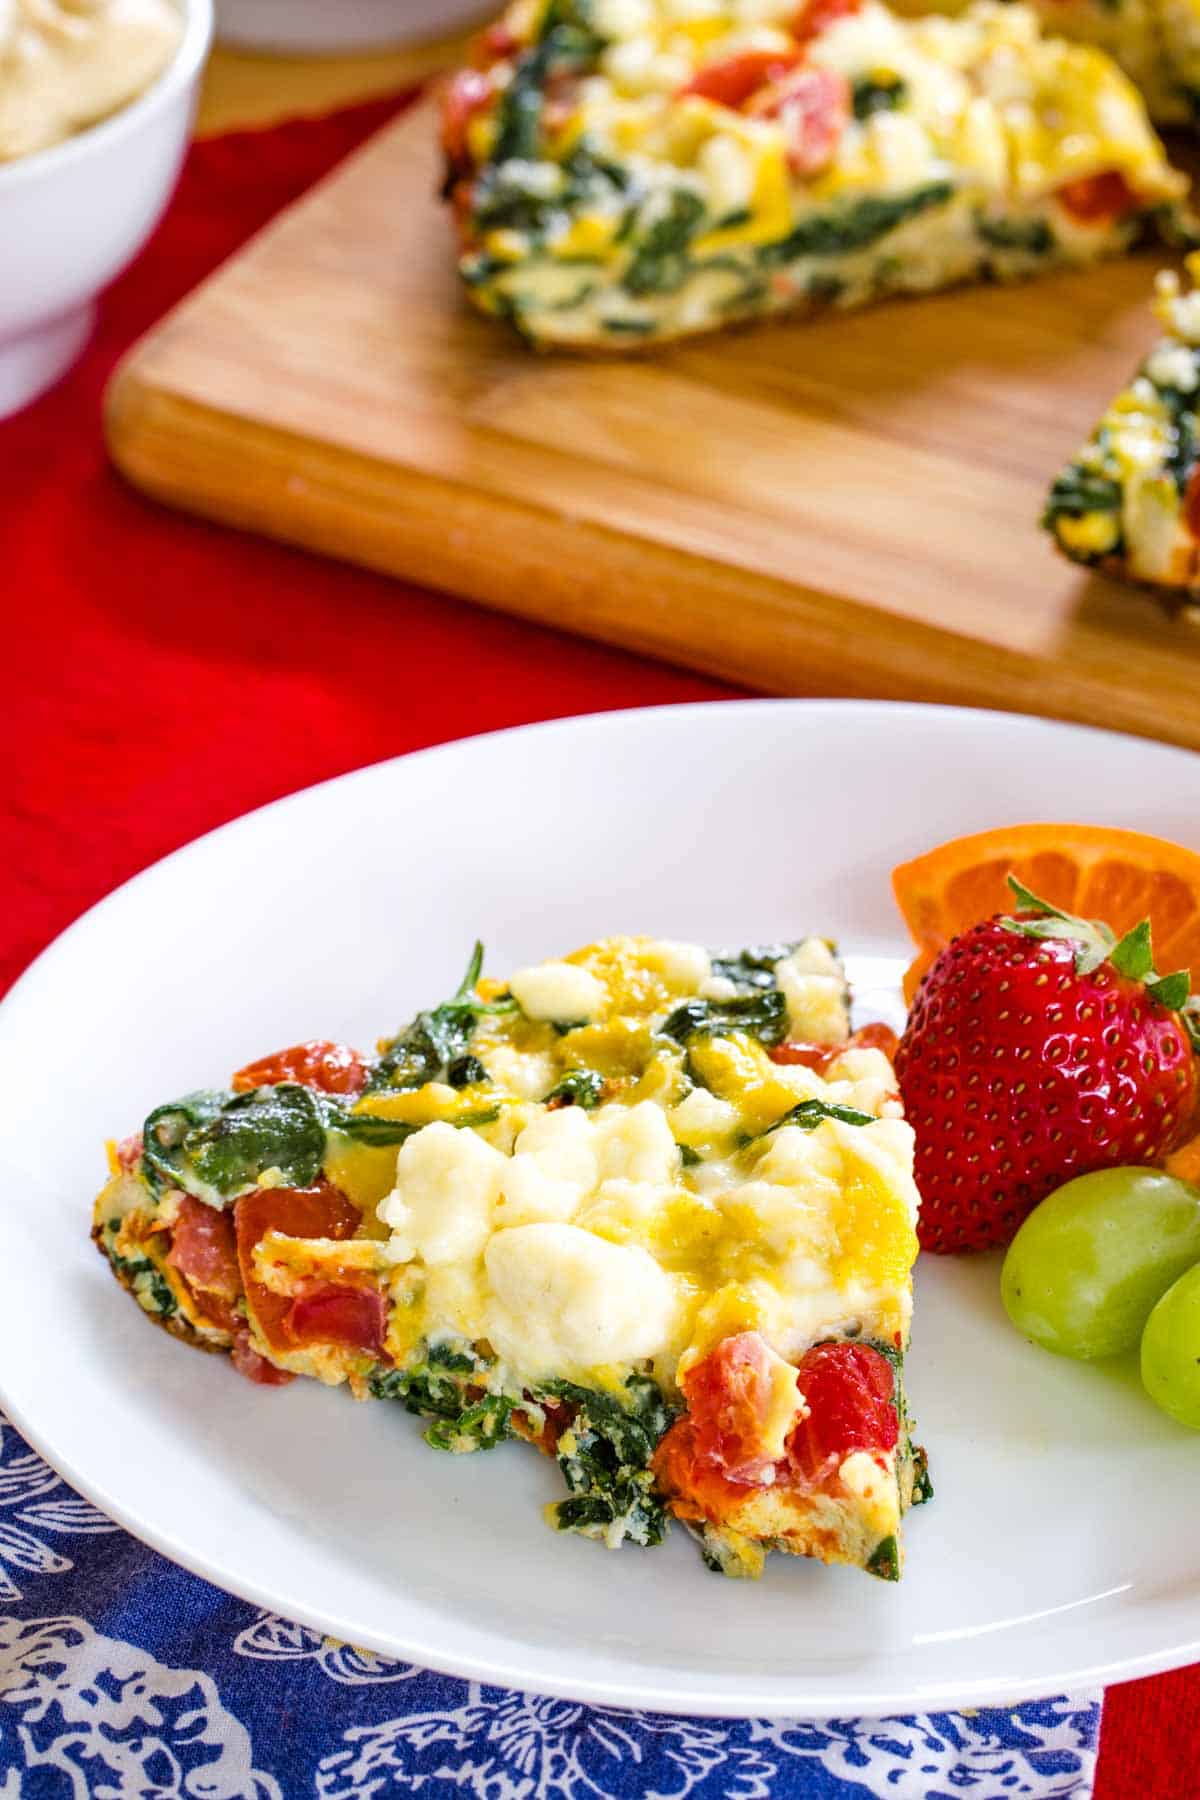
x=124, y=1678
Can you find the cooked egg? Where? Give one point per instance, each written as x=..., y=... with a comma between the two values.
x=590, y=1237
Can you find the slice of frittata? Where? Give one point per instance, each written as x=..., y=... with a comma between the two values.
x=1146, y=37
x=627, y=171
x=1130, y=501
x=651, y=1209
x=1179, y=31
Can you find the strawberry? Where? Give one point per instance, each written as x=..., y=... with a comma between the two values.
x=1039, y=1048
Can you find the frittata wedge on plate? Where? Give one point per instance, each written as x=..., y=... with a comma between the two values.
x=629, y=171
x=1130, y=500
x=649, y=1209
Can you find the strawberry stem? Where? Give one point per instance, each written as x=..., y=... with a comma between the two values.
x=1096, y=942
x=1133, y=955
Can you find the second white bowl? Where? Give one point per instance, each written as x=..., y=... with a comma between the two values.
x=308, y=26
x=73, y=215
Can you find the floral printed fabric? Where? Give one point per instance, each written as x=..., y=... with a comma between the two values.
x=124, y=1678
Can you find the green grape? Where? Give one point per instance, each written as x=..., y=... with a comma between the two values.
x=1171, y=1351
x=1089, y=1263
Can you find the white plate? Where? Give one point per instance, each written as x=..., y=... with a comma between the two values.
x=1061, y=1546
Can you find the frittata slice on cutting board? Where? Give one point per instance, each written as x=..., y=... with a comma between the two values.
x=629, y=171
x=1130, y=500
x=1179, y=31
x=650, y=1209
x=1146, y=37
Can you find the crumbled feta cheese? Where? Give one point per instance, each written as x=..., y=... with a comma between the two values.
x=865, y=1079
x=1179, y=311
x=530, y=1194
x=622, y=18
x=870, y=39
x=718, y=987
x=1173, y=366
x=729, y=171
x=683, y=967
x=812, y=957
x=564, y=1143
x=622, y=1210
x=635, y=66
x=902, y=148
x=814, y=990
x=553, y=1166
x=563, y=1299
x=559, y=991
x=545, y=179
x=634, y=1143
x=447, y=1184
x=528, y=1073
x=686, y=10
x=703, y=1115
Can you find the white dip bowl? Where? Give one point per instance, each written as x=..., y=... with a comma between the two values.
x=73, y=215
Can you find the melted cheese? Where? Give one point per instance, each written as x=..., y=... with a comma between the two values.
x=815, y=993
x=564, y=1301
x=447, y=1186
x=575, y=1241
x=558, y=991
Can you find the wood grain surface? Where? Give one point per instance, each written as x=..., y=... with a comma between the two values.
x=848, y=506
x=243, y=91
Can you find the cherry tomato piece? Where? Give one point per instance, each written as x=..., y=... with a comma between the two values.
x=353, y=1317
x=496, y=44
x=849, y=1390
x=204, y=1253
x=315, y=1212
x=818, y=15
x=1094, y=199
x=795, y=1053
x=875, y=1036
x=727, y=1445
x=732, y=80
x=333, y=1068
x=813, y=105
x=254, y=1367
x=731, y=1398
x=466, y=94
x=1191, y=512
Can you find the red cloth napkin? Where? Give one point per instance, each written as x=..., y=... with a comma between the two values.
x=166, y=675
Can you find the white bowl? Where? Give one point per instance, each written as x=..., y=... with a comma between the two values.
x=73, y=215
x=307, y=26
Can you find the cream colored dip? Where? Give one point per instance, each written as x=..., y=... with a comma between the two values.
x=66, y=64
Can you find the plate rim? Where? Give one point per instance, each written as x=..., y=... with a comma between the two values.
x=677, y=1697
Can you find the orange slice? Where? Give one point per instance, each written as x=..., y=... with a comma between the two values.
x=1093, y=871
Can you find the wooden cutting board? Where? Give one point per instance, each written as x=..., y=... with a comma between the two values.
x=844, y=507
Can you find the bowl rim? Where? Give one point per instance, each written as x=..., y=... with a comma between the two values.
x=179, y=73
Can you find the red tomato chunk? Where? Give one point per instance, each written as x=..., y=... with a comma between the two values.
x=332, y=1068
